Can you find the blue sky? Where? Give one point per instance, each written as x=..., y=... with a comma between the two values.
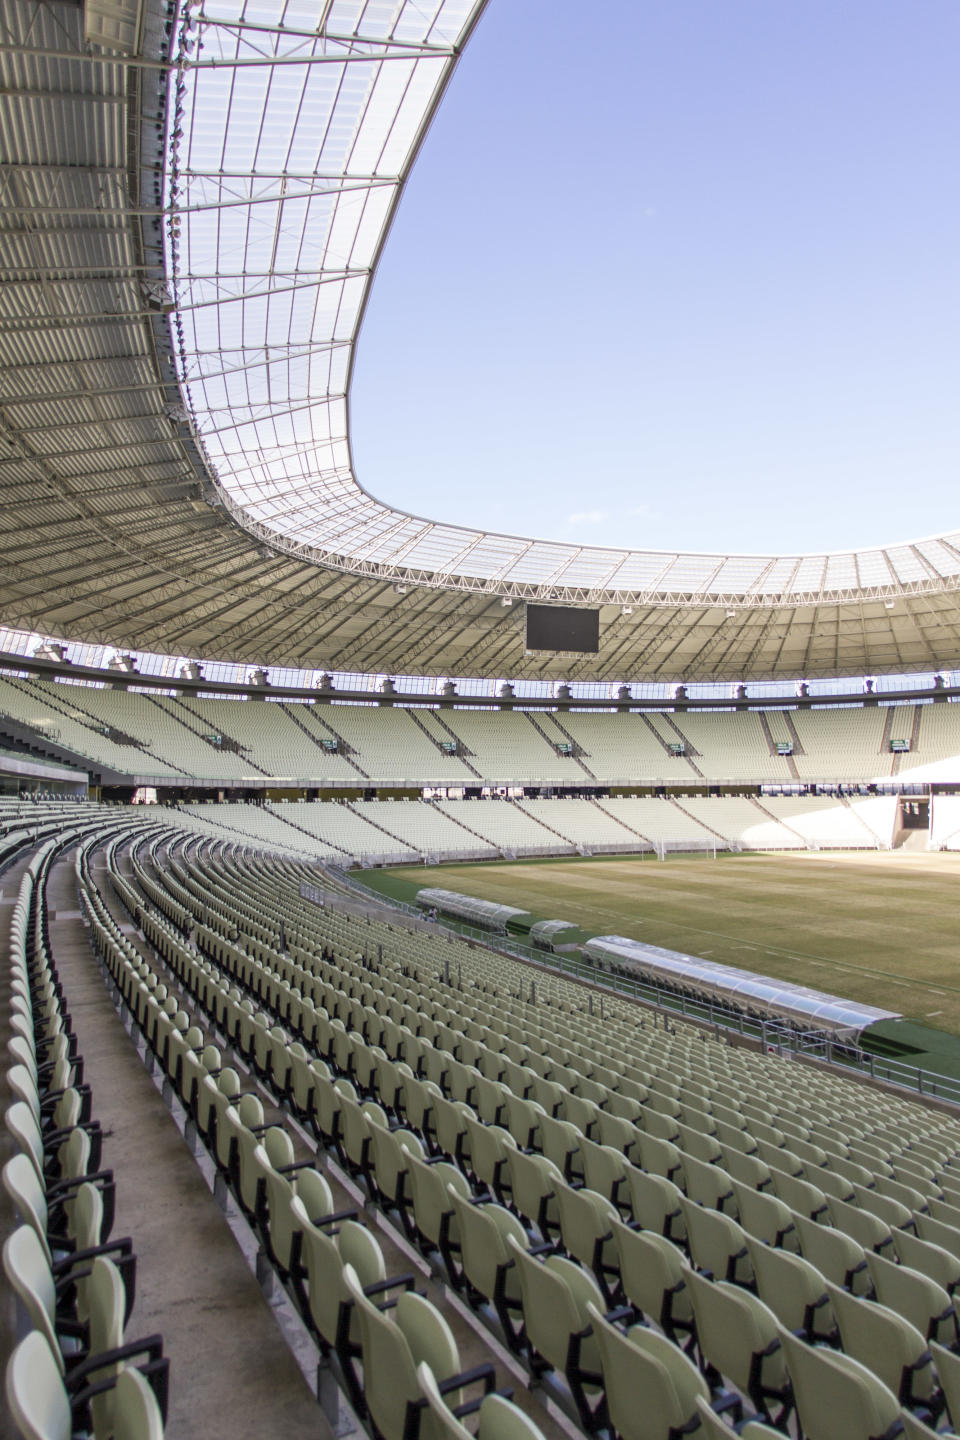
x=679, y=273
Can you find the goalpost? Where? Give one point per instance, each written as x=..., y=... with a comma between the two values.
x=705, y=848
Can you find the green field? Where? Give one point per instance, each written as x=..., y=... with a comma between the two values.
x=881, y=928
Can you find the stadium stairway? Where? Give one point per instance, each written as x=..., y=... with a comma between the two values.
x=397, y=839
x=9, y=883
x=665, y=745
x=566, y=839
x=578, y=752
x=772, y=745
x=195, y=722
x=724, y=840
x=629, y=828
x=346, y=750
x=777, y=820
x=441, y=724
x=291, y=712
x=538, y=724
x=194, y=1285
x=468, y=829
x=303, y=831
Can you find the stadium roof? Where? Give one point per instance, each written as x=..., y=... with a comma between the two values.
x=191, y=220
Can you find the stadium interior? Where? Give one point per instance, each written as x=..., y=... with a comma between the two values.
x=295, y=1143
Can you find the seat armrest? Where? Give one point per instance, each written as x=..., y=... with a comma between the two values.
x=60, y=1189
x=392, y=1282
x=123, y=1247
x=324, y=1220
x=470, y=1407
x=150, y=1345
x=480, y=1374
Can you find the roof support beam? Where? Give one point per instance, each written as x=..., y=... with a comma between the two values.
x=149, y=212
x=286, y=353
x=404, y=47
x=140, y=62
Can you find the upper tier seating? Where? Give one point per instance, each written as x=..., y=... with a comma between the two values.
x=391, y=745
x=731, y=747
x=266, y=733
x=936, y=755
x=168, y=732
x=52, y=711
x=172, y=736
x=510, y=748
x=625, y=749
x=841, y=744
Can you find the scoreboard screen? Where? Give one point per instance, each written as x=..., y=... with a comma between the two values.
x=560, y=627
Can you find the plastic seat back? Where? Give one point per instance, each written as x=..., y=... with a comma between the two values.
x=717, y=1243
x=889, y=1345
x=653, y=1273
x=794, y=1290
x=35, y=1391
x=641, y=1362
x=28, y=1271
x=836, y=1395
x=738, y=1335
x=136, y=1414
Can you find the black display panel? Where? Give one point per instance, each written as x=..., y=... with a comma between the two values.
x=558, y=627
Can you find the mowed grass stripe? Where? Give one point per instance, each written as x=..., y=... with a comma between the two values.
x=858, y=925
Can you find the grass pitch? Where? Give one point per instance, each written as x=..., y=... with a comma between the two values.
x=881, y=928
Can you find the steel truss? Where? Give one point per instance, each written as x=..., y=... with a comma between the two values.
x=289, y=480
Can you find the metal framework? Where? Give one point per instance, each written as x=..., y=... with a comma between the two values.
x=187, y=239
x=275, y=428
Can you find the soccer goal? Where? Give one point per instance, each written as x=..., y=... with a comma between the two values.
x=705, y=848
